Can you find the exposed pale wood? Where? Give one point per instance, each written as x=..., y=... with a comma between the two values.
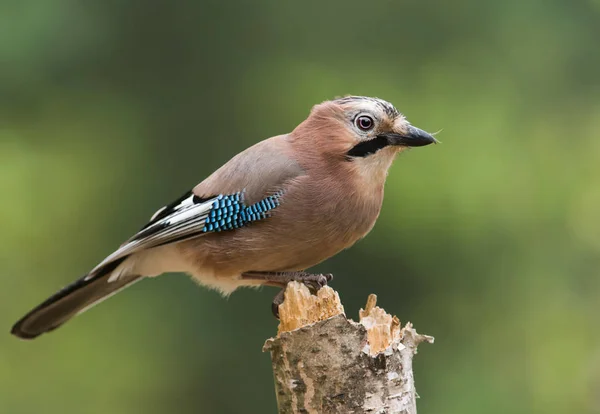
x=301, y=308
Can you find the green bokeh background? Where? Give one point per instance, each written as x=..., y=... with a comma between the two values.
x=490, y=241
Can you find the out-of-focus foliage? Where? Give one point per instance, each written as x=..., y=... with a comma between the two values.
x=490, y=241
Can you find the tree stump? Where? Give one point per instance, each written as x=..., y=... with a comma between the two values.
x=326, y=363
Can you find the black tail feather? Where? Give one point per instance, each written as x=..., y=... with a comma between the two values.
x=70, y=301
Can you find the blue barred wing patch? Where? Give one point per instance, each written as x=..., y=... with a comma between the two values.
x=229, y=212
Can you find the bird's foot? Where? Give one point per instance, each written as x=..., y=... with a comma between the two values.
x=313, y=282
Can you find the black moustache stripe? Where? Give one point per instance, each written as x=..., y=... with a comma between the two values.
x=368, y=147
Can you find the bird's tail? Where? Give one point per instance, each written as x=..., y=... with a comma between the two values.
x=70, y=301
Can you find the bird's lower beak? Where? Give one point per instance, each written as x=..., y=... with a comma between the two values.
x=414, y=137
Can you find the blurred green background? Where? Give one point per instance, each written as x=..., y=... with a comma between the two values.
x=490, y=242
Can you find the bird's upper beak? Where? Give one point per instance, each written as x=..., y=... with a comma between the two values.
x=414, y=137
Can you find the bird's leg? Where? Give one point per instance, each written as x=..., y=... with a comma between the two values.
x=280, y=279
x=277, y=300
x=314, y=282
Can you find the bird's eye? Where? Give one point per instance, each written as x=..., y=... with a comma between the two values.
x=364, y=123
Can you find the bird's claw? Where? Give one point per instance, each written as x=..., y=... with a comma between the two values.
x=316, y=282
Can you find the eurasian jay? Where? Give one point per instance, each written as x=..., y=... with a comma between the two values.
x=274, y=210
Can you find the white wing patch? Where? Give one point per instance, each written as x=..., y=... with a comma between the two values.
x=185, y=220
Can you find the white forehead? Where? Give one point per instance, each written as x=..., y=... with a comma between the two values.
x=372, y=105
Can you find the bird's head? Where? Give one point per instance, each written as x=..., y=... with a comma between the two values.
x=373, y=124
x=366, y=132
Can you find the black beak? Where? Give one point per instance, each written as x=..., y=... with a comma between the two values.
x=414, y=137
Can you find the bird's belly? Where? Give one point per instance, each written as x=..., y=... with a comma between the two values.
x=223, y=271
x=217, y=279
x=259, y=249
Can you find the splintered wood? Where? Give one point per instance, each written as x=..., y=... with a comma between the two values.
x=382, y=328
x=325, y=363
x=301, y=308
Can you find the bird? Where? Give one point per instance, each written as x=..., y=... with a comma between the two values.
x=267, y=215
